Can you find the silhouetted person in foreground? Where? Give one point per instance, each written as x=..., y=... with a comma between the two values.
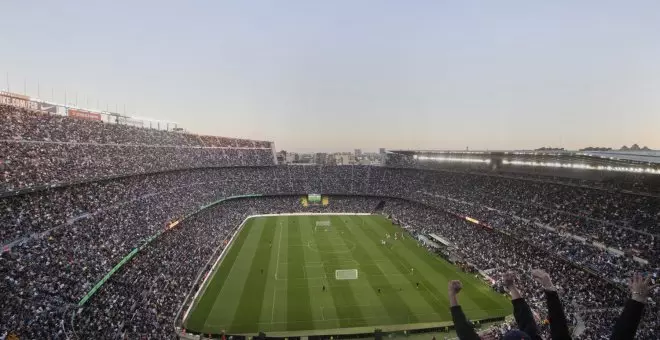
x=626, y=325
x=521, y=311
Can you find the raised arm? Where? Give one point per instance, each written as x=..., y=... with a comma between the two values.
x=521, y=310
x=626, y=325
x=464, y=329
x=558, y=324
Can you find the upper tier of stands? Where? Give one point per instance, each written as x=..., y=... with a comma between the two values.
x=40, y=149
x=21, y=124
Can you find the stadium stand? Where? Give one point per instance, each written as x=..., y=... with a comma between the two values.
x=40, y=149
x=99, y=191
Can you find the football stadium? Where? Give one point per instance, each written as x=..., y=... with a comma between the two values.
x=214, y=239
x=327, y=170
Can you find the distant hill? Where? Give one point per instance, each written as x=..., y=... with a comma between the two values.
x=548, y=148
x=633, y=147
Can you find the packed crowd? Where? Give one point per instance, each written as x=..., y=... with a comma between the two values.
x=620, y=181
x=606, y=263
x=39, y=149
x=142, y=301
x=626, y=221
x=46, y=275
x=60, y=242
x=21, y=124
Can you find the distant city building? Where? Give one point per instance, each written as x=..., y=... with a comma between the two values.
x=291, y=157
x=284, y=157
x=344, y=158
x=281, y=157
x=330, y=160
x=321, y=158
x=381, y=151
x=305, y=158
x=357, y=157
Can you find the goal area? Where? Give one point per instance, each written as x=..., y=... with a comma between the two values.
x=346, y=274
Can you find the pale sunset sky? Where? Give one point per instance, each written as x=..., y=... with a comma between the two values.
x=338, y=75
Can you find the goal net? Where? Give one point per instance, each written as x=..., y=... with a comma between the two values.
x=323, y=223
x=346, y=274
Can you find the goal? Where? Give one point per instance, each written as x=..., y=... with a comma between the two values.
x=346, y=274
x=323, y=224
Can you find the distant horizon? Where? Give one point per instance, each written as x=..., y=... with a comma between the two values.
x=308, y=151
x=353, y=149
x=331, y=75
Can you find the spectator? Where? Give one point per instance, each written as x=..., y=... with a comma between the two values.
x=626, y=325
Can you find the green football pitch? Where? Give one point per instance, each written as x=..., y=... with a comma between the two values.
x=272, y=277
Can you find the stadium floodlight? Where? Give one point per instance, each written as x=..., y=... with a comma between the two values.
x=582, y=166
x=453, y=159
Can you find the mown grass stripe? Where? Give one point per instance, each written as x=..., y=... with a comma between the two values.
x=299, y=315
x=277, y=319
x=341, y=291
x=253, y=293
x=389, y=295
x=268, y=307
x=227, y=303
x=477, y=293
x=322, y=303
x=428, y=289
x=434, y=273
x=370, y=304
x=200, y=313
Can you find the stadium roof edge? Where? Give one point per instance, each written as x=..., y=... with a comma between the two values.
x=633, y=157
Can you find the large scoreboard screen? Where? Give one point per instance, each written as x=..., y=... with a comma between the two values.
x=314, y=198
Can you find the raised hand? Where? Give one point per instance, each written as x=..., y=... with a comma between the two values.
x=641, y=287
x=454, y=287
x=509, y=279
x=488, y=335
x=543, y=278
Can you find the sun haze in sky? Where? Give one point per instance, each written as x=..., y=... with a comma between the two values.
x=338, y=75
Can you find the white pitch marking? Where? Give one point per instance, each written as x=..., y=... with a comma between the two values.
x=272, y=311
x=279, y=248
x=277, y=267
